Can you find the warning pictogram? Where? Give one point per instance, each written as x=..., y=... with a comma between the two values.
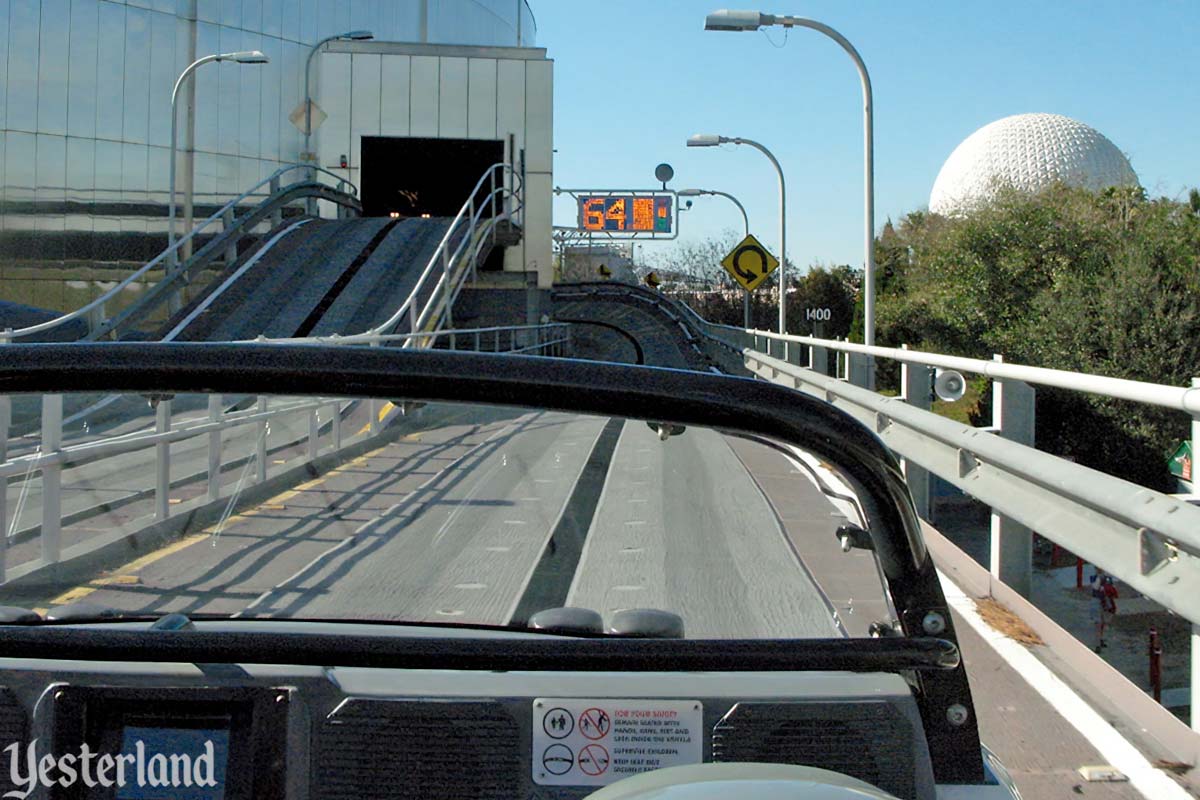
x=558, y=759
x=558, y=723
x=593, y=760
x=749, y=263
x=594, y=723
x=580, y=741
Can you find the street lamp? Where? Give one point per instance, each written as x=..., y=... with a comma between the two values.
x=349, y=36
x=712, y=140
x=715, y=193
x=242, y=57
x=753, y=20
x=745, y=222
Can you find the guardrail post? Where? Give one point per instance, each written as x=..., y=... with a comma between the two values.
x=314, y=430
x=914, y=387
x=231, y=248
x=795, y=353
x=1012, y=543
x=336, y=426
x=214, y=448
x=858, y=370
x=277, y=214
x=5, y=422
x=477, y=335
x=162, y=461
x=260, y=454
x=310, y=203
x=1195, y=671
x=95, y=318
x=52, y=406
x=446, y=288
x=818, y=359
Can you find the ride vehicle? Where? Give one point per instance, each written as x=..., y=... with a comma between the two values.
x=505, y=585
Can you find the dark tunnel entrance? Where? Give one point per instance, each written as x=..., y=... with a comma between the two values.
x=412, y=177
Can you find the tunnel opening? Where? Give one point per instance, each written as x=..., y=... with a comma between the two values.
x=415, y=177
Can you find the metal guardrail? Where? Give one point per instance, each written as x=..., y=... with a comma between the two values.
x=1180, y=398
x=550, y=339
x=51, y=457
x=1148, y=539
x=94, y=312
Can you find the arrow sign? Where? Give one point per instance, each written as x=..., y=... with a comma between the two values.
x=749, y=263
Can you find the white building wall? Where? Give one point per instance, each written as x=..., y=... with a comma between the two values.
x=446, y=92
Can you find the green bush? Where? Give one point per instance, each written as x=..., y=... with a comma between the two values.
x=1103, y=283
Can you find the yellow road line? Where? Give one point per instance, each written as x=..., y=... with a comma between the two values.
x=125, y=575
x=383, y=412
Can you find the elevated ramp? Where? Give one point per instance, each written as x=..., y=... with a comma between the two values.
x=321, y=278
x=619, y=322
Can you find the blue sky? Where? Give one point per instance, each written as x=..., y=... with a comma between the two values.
x=634, y=78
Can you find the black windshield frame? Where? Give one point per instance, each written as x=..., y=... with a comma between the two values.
x=738, y=405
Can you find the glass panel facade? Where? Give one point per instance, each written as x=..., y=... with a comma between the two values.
x=85, y=100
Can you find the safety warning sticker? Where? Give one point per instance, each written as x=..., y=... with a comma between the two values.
x=595, y=742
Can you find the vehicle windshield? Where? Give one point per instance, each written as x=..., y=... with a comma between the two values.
x=399, y=510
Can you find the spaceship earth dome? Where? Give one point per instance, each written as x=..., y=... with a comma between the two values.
x=1027, y=152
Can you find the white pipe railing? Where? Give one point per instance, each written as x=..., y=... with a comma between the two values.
x=96, y=307
x=448, y=283
x=51, y=458
x=1185, y=399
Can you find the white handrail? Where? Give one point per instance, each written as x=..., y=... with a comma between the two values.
x=1157, y=394
x=374, y=338
x=9, y=335
x=440, y=255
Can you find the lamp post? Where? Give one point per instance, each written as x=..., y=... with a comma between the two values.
x=349, y=36
x=242, y=57
x=745, y=222
x=712, y=140
x=753, y=20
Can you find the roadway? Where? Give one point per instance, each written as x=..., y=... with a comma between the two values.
x=455, y=524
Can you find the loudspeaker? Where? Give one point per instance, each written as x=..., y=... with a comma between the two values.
x=949, y=385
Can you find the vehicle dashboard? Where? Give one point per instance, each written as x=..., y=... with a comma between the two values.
x=312, y=732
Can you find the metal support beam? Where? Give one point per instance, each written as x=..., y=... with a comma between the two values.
x=314, y=430
x=1195, y=671
x=231, y=252
x=818, y=359
x=214, y=448
x=336, y=424
x=260, y=454
x=52, y=409
x=162, y=462
x=1011, y=559
x=915, y=382
x=5, y=422
x=858, y=370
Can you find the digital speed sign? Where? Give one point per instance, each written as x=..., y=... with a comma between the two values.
x=625, y=213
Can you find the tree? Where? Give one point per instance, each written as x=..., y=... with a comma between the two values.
x=1104, y=283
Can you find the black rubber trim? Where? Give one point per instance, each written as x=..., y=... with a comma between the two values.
x=739, y=405
x=542, y=654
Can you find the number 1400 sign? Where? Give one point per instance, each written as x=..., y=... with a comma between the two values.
x=818, y=314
